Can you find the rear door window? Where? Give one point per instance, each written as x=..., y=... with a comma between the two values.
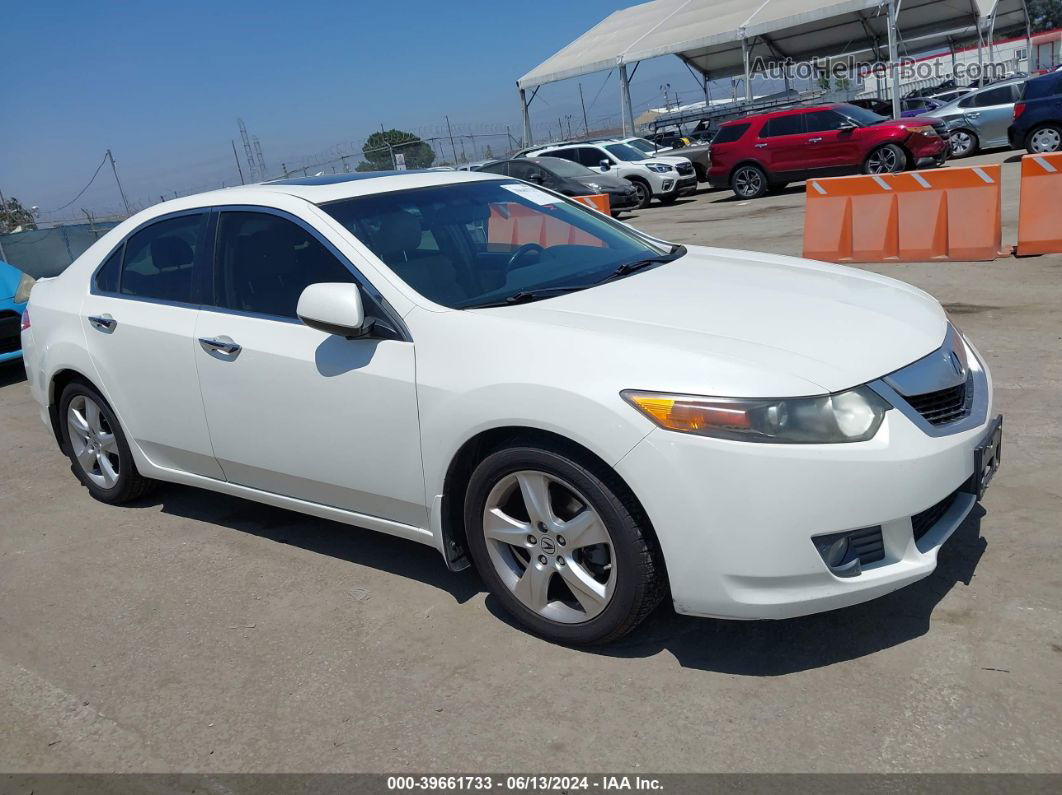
x=159, y=259
x=793, y=124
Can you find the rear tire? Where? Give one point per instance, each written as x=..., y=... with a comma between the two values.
x=1045, y=139
x=562, y=544
x=96, y=445
x=964, y=143
x=749, y=182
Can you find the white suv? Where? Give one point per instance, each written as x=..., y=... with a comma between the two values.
x=663, y=178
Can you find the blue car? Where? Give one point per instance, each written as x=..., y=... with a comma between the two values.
x=1037, y=126
x=14, y=293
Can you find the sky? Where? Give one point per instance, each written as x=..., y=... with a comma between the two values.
x=162, y=84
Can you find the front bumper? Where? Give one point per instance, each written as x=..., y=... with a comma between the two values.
x=735, y=520
x=10, y=330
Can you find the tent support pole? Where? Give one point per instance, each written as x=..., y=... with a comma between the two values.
x=893, y=57
x=528, y=140
x=625, y=102
x=745, y=56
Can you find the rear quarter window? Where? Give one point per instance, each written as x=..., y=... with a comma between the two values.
x=730, y=133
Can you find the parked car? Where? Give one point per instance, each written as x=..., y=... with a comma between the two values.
x=699, y=154
x=14, y=292
x=663, y=178
x=979, y=120
x=767, y=151
x=917, y=106
x=882, y=107
x=467, y=361
x=1037, y=125
x=670, y=139
x=944, y=97
x=568, y=178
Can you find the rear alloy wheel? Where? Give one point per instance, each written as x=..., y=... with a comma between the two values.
x=561, y=545
x=749, y=182
x=963, y=143
x=1045, y=140
x=97, y=447
x=888, y=159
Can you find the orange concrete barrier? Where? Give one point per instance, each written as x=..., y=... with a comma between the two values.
x=512, y=224
x=599, y=201
x=1040, y=212
x=944, y=214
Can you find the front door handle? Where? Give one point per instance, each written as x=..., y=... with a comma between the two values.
x=974, y=115
x=225, y=346
x=814, y=140
x=103, y=323
x=761, y=146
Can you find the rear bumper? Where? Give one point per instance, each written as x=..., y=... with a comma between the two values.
x=1016, y=137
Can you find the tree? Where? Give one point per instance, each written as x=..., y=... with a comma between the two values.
x=1045, y=14
x=13, y=215
x=378, y=155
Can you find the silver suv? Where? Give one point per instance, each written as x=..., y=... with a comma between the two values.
x=979, y=120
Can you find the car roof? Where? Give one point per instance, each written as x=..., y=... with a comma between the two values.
x=778, y=113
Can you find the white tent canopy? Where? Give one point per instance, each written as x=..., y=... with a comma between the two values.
x=719, y=38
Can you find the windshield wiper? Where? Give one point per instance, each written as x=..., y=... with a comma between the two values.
x=527, y=296
x=627, y=268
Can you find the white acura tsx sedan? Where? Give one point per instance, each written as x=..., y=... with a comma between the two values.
x=594, y=418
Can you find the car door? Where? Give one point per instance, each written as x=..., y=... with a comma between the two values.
x=833, y=139
x=297, y=411
x=786, y=148
x=991, y=111
x=139, y=322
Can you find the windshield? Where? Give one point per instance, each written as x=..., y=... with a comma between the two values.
x=645, y=146
x=475, y=243
x=625, y=152
x=861, y=116
x=562, y=167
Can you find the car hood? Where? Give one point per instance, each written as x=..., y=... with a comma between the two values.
x=743, y=324
x=611, y=184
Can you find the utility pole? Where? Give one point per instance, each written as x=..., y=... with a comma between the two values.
x=114, y=168
x=450, y=132
x=586, y=124
x=237, y=158
x=251, y=169
x=258, y=155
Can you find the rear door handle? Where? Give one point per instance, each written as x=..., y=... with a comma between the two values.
x=225, y=346
x=761, y=146
x=103, y=323
x=974, y=115
x=814, y=140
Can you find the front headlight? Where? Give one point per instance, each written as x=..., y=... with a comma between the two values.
x=594, y=187
x=25, y=284
x=659, y=168
x=851, y=416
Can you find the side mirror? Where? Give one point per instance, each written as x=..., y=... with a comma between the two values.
x=604, y=165
x=846, y=126
x=536, y=178
x=335, y=308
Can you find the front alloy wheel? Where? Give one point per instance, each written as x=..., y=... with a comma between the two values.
x=549, y=546
x=889, y=159
x=562, y=543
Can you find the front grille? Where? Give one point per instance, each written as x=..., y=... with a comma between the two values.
x=945, y=405
x=922, y=523
x=685, y=169
x=10, y=330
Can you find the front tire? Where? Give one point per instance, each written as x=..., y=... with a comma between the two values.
x=645, y=193
x=97, y=448
x=562, y=544
x=888, y=159
x=1045, y=139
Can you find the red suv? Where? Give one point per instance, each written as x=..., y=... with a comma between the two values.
x=765, y=152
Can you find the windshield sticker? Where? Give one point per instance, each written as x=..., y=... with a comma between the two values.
x=532, y=194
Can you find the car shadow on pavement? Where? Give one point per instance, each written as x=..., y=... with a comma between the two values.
x=732, y=198
x=12, y=373
x=322, y=536
x=776, y=648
